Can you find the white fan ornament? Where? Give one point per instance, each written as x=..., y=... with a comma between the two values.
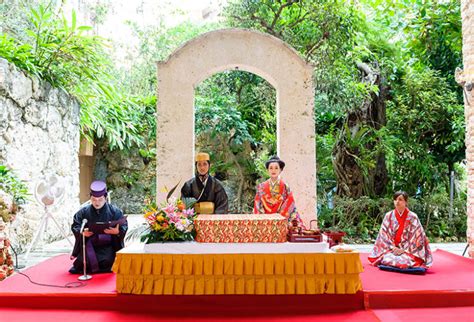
x=49, y=191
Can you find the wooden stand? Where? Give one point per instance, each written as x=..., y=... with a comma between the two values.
x=297, y=238
x=297, y=235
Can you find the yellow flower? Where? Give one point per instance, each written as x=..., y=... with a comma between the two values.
x=160, y=218
x=148, y=214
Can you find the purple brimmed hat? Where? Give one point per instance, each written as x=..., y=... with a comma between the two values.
x=98, y=189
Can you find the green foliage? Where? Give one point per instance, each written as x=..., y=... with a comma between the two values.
x=334, y=37
x=321, y=31
x=156, y=43
x=326, y=178
x=434, y=213
x=19, y=54
x=437, y=39
x=427, y=130
x=130, y=178
x=61, y=49
x=235, y=119
x=67, y=56
x=248, y=101
x=221, y=129
x=216, y=120
x=147, y=153
x=430, y=32
x=13, y=186
x=361, y=219
x=424, y=138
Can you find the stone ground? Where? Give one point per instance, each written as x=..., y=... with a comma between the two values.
x=45, y=251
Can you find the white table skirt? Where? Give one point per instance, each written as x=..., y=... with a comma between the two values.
x=226, y=248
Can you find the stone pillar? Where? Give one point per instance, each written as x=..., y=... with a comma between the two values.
x=466, y=79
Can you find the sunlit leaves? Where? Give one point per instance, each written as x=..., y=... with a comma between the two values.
x=64, y=54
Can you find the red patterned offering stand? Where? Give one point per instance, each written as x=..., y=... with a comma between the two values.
x=272, y=228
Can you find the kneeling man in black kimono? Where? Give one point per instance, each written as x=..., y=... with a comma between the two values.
x=101, y=246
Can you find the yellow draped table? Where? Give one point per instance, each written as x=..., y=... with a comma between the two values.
x=272, y=269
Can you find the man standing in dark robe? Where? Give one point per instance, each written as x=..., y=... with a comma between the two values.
x=209, y=193
x=101, y=246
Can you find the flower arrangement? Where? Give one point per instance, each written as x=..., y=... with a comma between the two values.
x=171, y=221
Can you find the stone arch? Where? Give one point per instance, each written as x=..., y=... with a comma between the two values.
x=255, y=52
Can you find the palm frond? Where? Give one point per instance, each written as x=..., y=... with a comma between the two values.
x=170, y=193
x=137, y=232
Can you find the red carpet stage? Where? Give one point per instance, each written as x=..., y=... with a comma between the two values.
x=449, y=282
x=446, y=292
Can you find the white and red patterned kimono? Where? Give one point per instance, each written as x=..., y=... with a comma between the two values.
x=272, y=199
x=405, y=232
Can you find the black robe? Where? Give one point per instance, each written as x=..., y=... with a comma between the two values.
x=213, y=192
x=104, y=250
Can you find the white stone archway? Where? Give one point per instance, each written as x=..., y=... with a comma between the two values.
x=255, y=52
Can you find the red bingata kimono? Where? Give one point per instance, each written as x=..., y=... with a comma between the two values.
x=405, y=232
x=276, y=199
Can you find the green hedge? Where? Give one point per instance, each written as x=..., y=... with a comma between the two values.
x=361, y=218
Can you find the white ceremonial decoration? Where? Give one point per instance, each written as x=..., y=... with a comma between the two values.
x=49, y=192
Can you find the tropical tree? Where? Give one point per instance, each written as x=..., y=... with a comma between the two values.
x=427, y=103
x=427, y=132
x=350, y=85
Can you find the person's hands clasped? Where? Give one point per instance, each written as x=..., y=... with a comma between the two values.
x=398, y=251
x=112, y=230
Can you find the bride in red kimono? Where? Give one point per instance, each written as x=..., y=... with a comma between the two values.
x=401, y=242
x=274, y=196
